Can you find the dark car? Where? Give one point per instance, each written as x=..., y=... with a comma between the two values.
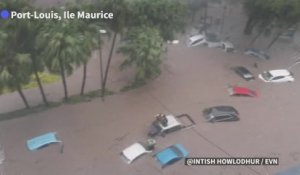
x=257, y=53
x=244, y=73
x=221, y=114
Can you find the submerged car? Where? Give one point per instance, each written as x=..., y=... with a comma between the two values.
x=227, y=46
x=134, y=151
x=196, y=40
x=243, y=72
x=257, y=53
x=277, y=76
x=165, y=124
x=171, y=155
x=209, y=39
x=221, y=114
x=289, y=34
x=241, y=91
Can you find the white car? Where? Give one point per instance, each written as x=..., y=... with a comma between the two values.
x=133, y=152
x=209, y=40
x=227, y=46
x=277, y=76
x=196, y=40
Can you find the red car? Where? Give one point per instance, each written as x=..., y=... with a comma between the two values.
x=241, y=91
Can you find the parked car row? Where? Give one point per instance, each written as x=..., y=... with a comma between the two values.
x=210, y=40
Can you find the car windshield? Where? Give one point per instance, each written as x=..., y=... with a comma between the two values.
x=247, y=75
x=267, y=75
x=176, y=151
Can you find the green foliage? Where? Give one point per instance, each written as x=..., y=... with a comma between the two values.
x=45, y=79
x=168, y=16
x=282, y=13
x=143, y=49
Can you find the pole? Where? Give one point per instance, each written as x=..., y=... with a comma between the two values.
x=101, y=63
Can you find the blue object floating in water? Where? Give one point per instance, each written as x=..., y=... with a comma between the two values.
x=42, y=141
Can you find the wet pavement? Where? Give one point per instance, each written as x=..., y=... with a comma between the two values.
x=94, y=133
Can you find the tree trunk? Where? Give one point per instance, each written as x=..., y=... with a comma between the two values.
x=256, y=37
x=101, y=64
x=19, y=89
x=278, y=35
x=108, y=63
x=62, y=74
x=205, y=16
x=249, y=26
x=274, y=40
x=37, y=77
x=83, y=79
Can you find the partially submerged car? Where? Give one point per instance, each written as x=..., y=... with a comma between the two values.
x=289, y=34
x=241, y=91
x=164, y=124
x=277, y=76
x=227, y=46
x=196, y=40
x=257, y=53
x=43, y=141
x=208, y=39
x=171, y=154
x=221, y=114
x=134, y=151
x=243, y=72
x=291, y=171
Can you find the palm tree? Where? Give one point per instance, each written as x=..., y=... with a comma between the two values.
x=120, y=10
x=28, y=31
x=14, y=67
x=143, y=49
x=61, y=47
x=89, y=42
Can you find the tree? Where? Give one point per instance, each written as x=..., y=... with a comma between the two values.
x=14, y=66
x=60, y=43
x=258, y=12
x=88, y=37
x=143, y=49
x=120, y=10
x=89, y=41
x=29, y=31
x=168, y=16
x=287, y=14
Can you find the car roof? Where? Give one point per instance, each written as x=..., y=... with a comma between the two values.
x=168, y=154
x=172, y=122
x=243, y=69
x=242, y=90
x=134, y=151
x=220, y=110
x=279, y=72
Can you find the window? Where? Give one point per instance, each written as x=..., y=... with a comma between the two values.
x=278, y=77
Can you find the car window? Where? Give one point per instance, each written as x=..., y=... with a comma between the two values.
x=223, y=117
x=197, y=41
x=278, y=77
